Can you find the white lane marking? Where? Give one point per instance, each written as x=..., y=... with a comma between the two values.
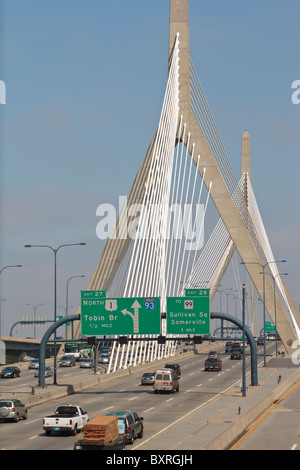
x=184, y=416
x=33, y=421
x=152, y=408
x=133, y=398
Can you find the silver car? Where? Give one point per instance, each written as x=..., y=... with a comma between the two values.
x=147, y=378
x=67, y=361
x=87, y=362
x=34, y=364
x=104, y=358
x=12, y=409
x=48, y=372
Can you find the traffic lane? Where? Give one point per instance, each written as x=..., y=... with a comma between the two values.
x=118, y=394
x=278, y=429
x=127, y=392
x=26, y=383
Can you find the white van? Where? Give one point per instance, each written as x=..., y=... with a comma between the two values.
x=166, y=380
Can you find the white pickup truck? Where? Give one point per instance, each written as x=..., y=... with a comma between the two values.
x=67, y=418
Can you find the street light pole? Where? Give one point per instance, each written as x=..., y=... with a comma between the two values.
x=34, y=316
x=222, y=323
x=244, y=344
x=55, y=250
x=263, y=266
x=67, y=305
x=8, y=266
x=274, y=286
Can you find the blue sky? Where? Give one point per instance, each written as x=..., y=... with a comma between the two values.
x=85, y=81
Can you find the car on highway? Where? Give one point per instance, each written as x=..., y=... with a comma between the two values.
x=213, y=363
x=189, y=342
x=104, y=358
x=175, y=367
x=147, y=378
x=48, y=372
x=12, y=409
x=130, y=425
x=228, y=346
x=236, y=355
x=67, y=361
x=66, y=418
x=166, y=380
x=237, y=346
x=34, y=364
x=10, y=371
x=260, y=341
x=86, y=363
x=213, y=354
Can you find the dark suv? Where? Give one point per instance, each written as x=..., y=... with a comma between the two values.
x=175, y=367
x=130, y=425
x=213, y=363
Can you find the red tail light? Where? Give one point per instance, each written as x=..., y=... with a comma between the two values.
x=13, y=409
x=70, y=421
x=128, y=430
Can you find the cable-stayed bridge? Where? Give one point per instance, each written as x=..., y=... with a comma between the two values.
x=156, y=248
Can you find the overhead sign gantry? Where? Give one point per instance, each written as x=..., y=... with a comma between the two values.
x=142, y=315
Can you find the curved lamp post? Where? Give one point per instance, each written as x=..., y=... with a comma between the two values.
x=55, y=250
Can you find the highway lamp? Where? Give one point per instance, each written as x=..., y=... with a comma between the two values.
x=1, y=300
x=55, y=250
x=244, y=344
x=61, y=306
x=231, y=292
x=5, y=267
x=34, y=316
x=274, y=287
x=263, y=266
x=67, y=306
x=221, y=291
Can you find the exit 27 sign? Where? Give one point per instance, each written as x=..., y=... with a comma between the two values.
x=120, y=316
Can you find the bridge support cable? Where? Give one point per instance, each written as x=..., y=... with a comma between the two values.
x=152, y=261
x=263, y=238
x=145, y=273
x=252, y=221
x=148, y=247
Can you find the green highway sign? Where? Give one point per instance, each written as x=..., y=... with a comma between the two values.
x=188, y=315
x=92, y=293
x=120, y=316
x=196, y=292
x=269, y=326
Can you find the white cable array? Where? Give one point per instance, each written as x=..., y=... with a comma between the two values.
x=145, y=268
x=209, y=129
x=264, y=241
x=148, y=256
